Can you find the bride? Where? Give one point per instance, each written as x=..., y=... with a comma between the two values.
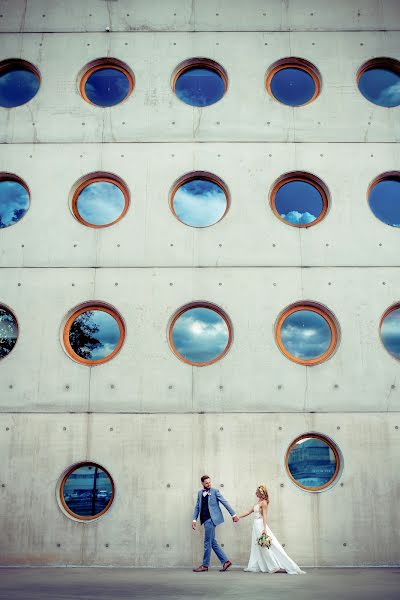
x=274, y=558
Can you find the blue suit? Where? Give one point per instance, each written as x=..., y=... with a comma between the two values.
x=216, y=518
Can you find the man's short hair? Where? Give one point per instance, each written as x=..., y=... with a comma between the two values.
x=204, y=477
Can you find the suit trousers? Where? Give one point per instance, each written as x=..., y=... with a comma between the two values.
x=210, y=543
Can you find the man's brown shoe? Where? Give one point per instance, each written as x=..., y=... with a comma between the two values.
x=201, y=569
x=226, y=565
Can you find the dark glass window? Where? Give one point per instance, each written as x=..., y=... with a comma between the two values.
x=200, y=86
x=306, y=334
x=293, y=86
x=100, y=202
x=199, y=202
x=384, y=200
x=8, y=331
x=94, y=334
x=19, y=83
x=107, y=83
x=299, y=202
x=14, y=201
x=390, y=331
x=312, y=462
x=381, y=84
x=200, y=335
x=87, y=491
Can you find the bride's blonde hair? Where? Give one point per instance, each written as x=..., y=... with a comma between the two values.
x=263, y=492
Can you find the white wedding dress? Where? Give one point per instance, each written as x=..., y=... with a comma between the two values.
x=272, y=559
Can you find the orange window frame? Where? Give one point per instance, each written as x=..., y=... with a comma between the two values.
x=71, y=352
x=323, y=313
x=331, y=446
x=295, y=63
x=210, y=306
x=64, y=504
x=106, y=64
x=306, y=178
x=99, y=179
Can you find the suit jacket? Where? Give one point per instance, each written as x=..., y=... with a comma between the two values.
x=214, y=501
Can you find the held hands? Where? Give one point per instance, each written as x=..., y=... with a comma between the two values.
x=235, y=519
x=194, y=525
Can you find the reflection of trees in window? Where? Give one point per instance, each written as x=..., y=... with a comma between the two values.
x=8, y=332
x=82, y=335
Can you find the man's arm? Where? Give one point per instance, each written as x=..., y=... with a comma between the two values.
x=228, y=507
x=196, y=512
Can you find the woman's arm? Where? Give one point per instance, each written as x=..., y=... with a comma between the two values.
x=264, y=508
x=246, y=514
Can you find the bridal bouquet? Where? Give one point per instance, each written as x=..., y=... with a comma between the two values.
x=264, y=541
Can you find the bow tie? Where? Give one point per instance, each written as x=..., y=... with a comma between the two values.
x=206, y=493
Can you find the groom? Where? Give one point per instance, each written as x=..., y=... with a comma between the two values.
x=207, y=506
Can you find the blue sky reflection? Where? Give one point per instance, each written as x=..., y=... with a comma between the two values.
x=14, y=202
x=107, y=87
x=100, y=203
x=299, y=202
x=200, y=335
x=305, y=334
x=384, y=200
x=17, y=86
x=380, y=86
x=390, y=332
x=199, y=203
x=292, y=86
x=199, y=86
x=94, y=334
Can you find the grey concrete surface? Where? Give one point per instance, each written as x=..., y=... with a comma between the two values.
x=174, y=584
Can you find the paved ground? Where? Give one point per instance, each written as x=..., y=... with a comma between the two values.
x=182, y=584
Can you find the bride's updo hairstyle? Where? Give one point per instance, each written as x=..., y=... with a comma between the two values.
x=262, y=489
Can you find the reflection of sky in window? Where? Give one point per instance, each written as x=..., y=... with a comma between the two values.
x=380, y=86
x=298, y=202
x=390, y=332
x=306, y=334
x=107, y=87
x=200, y=86
x=8, y=332
x=312, y=462
x=86, y=495
x=200, y=335
x=199, y=203
x=100, y=203
x=384, y=200
x=14, y=202
x=292, y=86
x=103, y=331
x=17, y=86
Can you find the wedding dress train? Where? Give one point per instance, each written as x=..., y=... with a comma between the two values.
x=272, y=559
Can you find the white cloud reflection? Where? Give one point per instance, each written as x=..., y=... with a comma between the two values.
x=199, y=203
x=200, y=335
x=100, y=203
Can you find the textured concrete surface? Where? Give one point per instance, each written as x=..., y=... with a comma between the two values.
x=152, y=584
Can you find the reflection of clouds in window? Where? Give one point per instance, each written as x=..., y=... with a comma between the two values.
x=100, y=203
x=381, y=86
x=384, y=200
x=107, y=87
x=14, y=202
x=199, y=86
x=305, y=334
x=298, y=202
x=94, y=334
x=200, y=335
x=390, y=332
x=17, y=86
x=312, y=462
x=8, y=332
x=199, y=203
x=390, y=96
x=299, y=218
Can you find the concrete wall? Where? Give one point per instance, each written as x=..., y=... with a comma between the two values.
x=155, y=423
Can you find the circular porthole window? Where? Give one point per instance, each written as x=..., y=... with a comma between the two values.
x=100, y=200
x=106, y=82
x=307, y=333
x=384, y=198
x=14, y=199
x=200, y=334
x=379, y=81
x=93, y=333
x=313, y=462
x=86, y=491
x=293, y=81
x=199, y=199
x=299, y=199
x=19, y=82
x=390, y=330
x=8, y=331
x=200, y=82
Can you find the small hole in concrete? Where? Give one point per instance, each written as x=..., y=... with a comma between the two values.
x=218, y=122
x=220, y=284
x=372, y=156
x=383, y=282
x=72, y=284
x=221, y=485
x=222, y=545
x=83, y=123
x=342, y=484
x=169, y=428
x=19, y=285
x=392, y=387
x=369, y=122
x=273, y=245
x=10, y=386
x=327, y=245
x=283, y=545
x=380, y=244
x=87, y=44
x=396, y=427
x=221, y=428
x=280, y=428
x=67, y=387
x=265, y=44
x=171, y=245
x=217, y=43
x=268, y=122
x=118, y=245
x=171, y=283
x=173, y=122
x=174, y=43
x=168, y=485
x=313, y=44
x=170, y=387
x=270, y=155
x=221, y=387
x=75, y=245
x=280, y=386
x=344, y=544
x=123, y=123
x=112, y=386
x=33, y=124
x=122, y=155
x=64, y=429
x=30, y=156
x=126, y=43
x=111, y=428
x=338, y=427
x=336, y=386
x=58, y=545
x=167, y=545
x=7, y=429
x=106, y=545
x=282, y=484
x=116, y=283
x=329, y=282
x=220, y=245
